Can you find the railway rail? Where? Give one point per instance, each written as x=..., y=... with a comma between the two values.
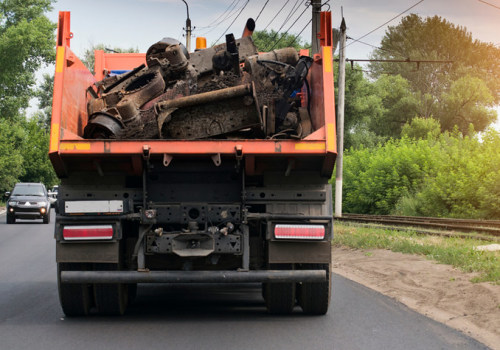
x=437, y=225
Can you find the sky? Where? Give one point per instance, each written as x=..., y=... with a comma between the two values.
x=141, y=23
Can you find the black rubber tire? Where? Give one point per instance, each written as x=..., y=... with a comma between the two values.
x=11, y=219
x=110, y=299
x=314, y=298
x=132, y=292
x=279, y=297
x=75, y=299
x=46, y=218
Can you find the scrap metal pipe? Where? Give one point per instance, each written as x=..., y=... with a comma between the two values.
x=206, y=97
x=249, y=28
x=107, y=277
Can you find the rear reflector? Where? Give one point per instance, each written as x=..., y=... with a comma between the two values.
x=87, y=232
x=299, y=231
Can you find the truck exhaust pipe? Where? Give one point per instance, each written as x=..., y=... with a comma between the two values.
x=249, y=28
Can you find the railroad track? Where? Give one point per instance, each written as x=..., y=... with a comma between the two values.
x=488, y=227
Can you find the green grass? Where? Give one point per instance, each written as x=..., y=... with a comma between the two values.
x=457, y=252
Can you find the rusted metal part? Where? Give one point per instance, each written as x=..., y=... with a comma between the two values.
x=201, y=116
x=115, y=82
x=176, y=57
x=249, y=28
x=139, y=91
x=207, y=97
x=232, y=48
x=202, y=60
x=212, y=119
x=102, y=126
x=286, y=55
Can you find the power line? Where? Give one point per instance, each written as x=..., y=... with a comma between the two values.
x=282, y=25
x=283, y=35
x=230, y=14
x=215, y=20
x=296, y=36
x=234, y=20
x=271, y=21
x=380, y=26
x=487, y=3
x=262, y=9
x=376, y=47
x=290, y=14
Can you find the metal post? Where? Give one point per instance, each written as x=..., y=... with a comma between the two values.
x=340, y=122
x=188, y=28
x=316, y=26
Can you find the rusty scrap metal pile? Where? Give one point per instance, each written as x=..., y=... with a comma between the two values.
x=227, y=91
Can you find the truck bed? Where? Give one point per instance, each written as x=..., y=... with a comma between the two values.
x=70, y=151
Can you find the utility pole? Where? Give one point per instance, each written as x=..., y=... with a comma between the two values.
x=340, y=122
x=188, y=28
x=316, y=26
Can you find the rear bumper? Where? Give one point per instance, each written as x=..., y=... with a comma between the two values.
x=193, y=276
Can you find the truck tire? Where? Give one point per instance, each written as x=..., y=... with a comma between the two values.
x=279, y=297
x=46, y=218
x=132, y=292
x=314, y=298
x=75, y=299
x=110, y=299
x=11, y=219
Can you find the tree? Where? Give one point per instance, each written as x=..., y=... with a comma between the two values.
x=265, y=40
x=360, y=106
x=434, y=38
x=422, y=128
x=11, y=159
x=27, y=42
x=44, y=95
x=466, y=103
x=399, y=105
x=35, y=149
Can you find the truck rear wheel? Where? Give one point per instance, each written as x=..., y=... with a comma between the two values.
x=75, y=299
x=279, y=297
x=314, y=298
x=110, y=299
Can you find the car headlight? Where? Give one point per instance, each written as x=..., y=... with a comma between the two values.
x=42, y=204
x=12, y=203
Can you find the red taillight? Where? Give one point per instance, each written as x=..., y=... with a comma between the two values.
x=283, y=231
x=88, y=232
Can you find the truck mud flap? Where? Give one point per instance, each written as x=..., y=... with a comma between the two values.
x=193, y=276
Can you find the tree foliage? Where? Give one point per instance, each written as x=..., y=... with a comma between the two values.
x=434, y=38
x=35, y=150
x=376, y=178
x=272, y=40
x=11, y=158
x=443, y=175
x=465, y=103
x=398, y=105
x=44, y=95
x=27, y=42
x=422, y=128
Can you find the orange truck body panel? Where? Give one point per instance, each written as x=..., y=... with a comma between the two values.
x=69, y=115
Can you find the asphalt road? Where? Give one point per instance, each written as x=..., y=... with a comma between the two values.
x=196, y=316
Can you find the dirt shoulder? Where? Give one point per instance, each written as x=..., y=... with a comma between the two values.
x=438, y=291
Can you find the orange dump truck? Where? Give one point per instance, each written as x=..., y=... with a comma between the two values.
x=180, y=210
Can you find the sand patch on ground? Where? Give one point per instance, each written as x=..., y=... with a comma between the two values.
x=438, y=291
